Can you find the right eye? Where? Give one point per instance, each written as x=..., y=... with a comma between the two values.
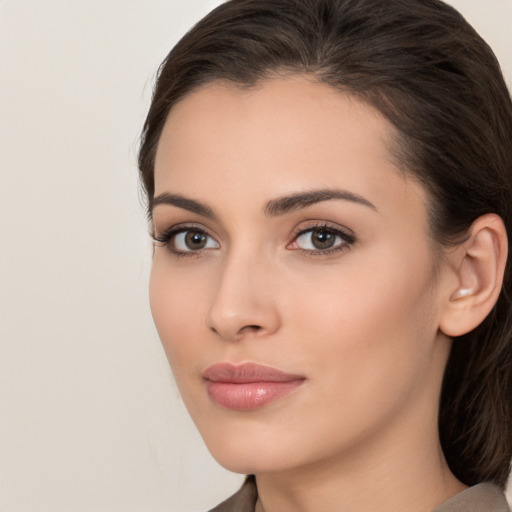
x=186, y=240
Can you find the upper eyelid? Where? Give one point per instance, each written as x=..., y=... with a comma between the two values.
x=319, y=224
x=182, y=226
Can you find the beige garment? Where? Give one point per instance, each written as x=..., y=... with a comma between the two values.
x=484, y=497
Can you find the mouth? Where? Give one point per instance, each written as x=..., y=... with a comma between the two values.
x=248, y=386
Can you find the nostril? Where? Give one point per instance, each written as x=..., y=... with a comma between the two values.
x=246, y=329
x=251, y=328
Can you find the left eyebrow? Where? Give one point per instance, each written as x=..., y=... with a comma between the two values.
x=292, y=202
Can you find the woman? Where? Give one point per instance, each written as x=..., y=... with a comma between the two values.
x=329, y=188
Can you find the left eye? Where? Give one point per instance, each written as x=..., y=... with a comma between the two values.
x=320, y=239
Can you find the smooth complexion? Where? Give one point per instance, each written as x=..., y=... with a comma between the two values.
x=288, y=238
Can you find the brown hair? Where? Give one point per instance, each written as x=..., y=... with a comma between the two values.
x=433, y=77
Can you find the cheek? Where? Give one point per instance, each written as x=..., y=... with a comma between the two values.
x=373, y=321
x=176, y=306
x=367, y=342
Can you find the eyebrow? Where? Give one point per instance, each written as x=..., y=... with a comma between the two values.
x=301, y=200
x=185, y=203
x=273, y=208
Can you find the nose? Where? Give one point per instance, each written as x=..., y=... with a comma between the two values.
x=244, y=302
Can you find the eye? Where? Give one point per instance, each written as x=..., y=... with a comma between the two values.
x=193, y=241
x=182, y=240
x=321, y=240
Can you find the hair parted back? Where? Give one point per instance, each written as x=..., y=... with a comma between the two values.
x=431, y=75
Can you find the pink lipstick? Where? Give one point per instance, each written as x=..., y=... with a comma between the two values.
x=248, y=386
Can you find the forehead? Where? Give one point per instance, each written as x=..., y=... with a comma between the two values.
x=280, y=136
x=275, y=106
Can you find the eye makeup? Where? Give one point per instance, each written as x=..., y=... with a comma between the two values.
x=315, y=239
x=321, y=239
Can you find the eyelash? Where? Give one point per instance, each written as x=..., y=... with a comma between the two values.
x=168, y=237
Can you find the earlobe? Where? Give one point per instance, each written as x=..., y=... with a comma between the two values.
x=478, y=265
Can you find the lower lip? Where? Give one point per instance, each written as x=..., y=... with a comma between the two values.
x=247, y=396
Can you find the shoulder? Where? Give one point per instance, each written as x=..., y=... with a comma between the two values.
x=485, y=497
x=243, y=501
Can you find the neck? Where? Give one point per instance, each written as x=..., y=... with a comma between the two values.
x=385, y=488
x=409, y=475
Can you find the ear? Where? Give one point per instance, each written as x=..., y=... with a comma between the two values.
x=476, y=271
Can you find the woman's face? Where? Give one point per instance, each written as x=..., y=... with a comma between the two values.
x=294, y=286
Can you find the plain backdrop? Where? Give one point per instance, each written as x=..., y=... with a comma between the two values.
x=90, y=419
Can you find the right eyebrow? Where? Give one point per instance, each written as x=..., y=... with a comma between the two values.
x=183, y=202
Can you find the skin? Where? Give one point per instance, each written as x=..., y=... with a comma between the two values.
x=361, y=324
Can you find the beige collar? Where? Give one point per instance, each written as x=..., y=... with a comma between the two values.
x=484, y=497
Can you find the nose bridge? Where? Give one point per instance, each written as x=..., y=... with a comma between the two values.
x=243, y=301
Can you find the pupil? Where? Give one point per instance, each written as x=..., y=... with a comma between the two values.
x=323, y=239
x=195, y=240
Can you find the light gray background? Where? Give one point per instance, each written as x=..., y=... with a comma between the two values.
x=90, y=419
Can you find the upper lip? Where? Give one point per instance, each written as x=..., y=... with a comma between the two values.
x=247, y=372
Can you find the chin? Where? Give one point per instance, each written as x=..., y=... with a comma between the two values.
x=250, y=449
x=250, y=462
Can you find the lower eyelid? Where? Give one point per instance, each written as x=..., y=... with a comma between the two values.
x=335, y=251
